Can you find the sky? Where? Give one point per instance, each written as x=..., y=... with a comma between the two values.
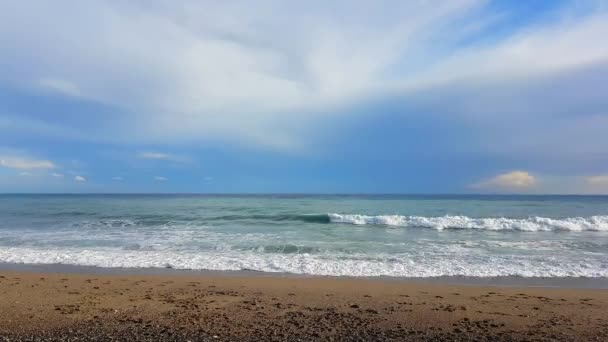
x=458, y=96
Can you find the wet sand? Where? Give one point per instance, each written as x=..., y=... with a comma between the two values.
x=38, y=306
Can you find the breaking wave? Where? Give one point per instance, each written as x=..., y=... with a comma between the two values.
x=338, y=264
x=532, y=224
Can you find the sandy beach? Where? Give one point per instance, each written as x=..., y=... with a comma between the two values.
x=60, y=307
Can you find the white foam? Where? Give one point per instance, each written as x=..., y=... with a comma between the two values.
x=396, y=265
x=199, y=247
x=532, y=224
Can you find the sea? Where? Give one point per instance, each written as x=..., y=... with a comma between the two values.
x=409, y=236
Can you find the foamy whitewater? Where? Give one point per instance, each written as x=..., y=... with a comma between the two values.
x=532, y=224
x=399, y=236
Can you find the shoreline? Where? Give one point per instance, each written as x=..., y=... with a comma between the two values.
x=500, y=281
x=50, y=306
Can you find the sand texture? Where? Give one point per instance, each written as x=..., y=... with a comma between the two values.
x=80, y=307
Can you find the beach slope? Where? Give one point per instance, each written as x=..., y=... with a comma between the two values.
x=40, y=306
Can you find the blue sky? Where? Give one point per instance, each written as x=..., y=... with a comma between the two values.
x=460, y=96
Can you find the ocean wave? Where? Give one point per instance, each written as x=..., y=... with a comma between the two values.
x=164, y=220
x=532, y=224
x=393, y=265
x=310, y=218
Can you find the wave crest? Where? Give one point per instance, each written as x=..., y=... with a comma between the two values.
x=532, y=224
x=383, y=264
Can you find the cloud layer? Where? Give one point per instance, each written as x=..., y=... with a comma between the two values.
x=25, y=163
x=164, y=157
x=269, y=76
x=161, y=86
x=514, y=180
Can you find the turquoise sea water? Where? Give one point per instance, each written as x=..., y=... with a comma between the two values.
x=400, y=236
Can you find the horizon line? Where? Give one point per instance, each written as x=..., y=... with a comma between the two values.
x=296, y=194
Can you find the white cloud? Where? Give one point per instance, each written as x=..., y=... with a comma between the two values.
x=523, y=181
x=514, y=180
x=25, y=174
x=164, y=156
x=119, y=179
x=25, y=163
x=279, y=73
x=160, y=178
x=57, y=175
x=225, y=70
x=561, y=46
x=80, y=179
x=153, y=155
x=61, y=86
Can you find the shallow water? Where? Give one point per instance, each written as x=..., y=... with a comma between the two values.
x=397, y=236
